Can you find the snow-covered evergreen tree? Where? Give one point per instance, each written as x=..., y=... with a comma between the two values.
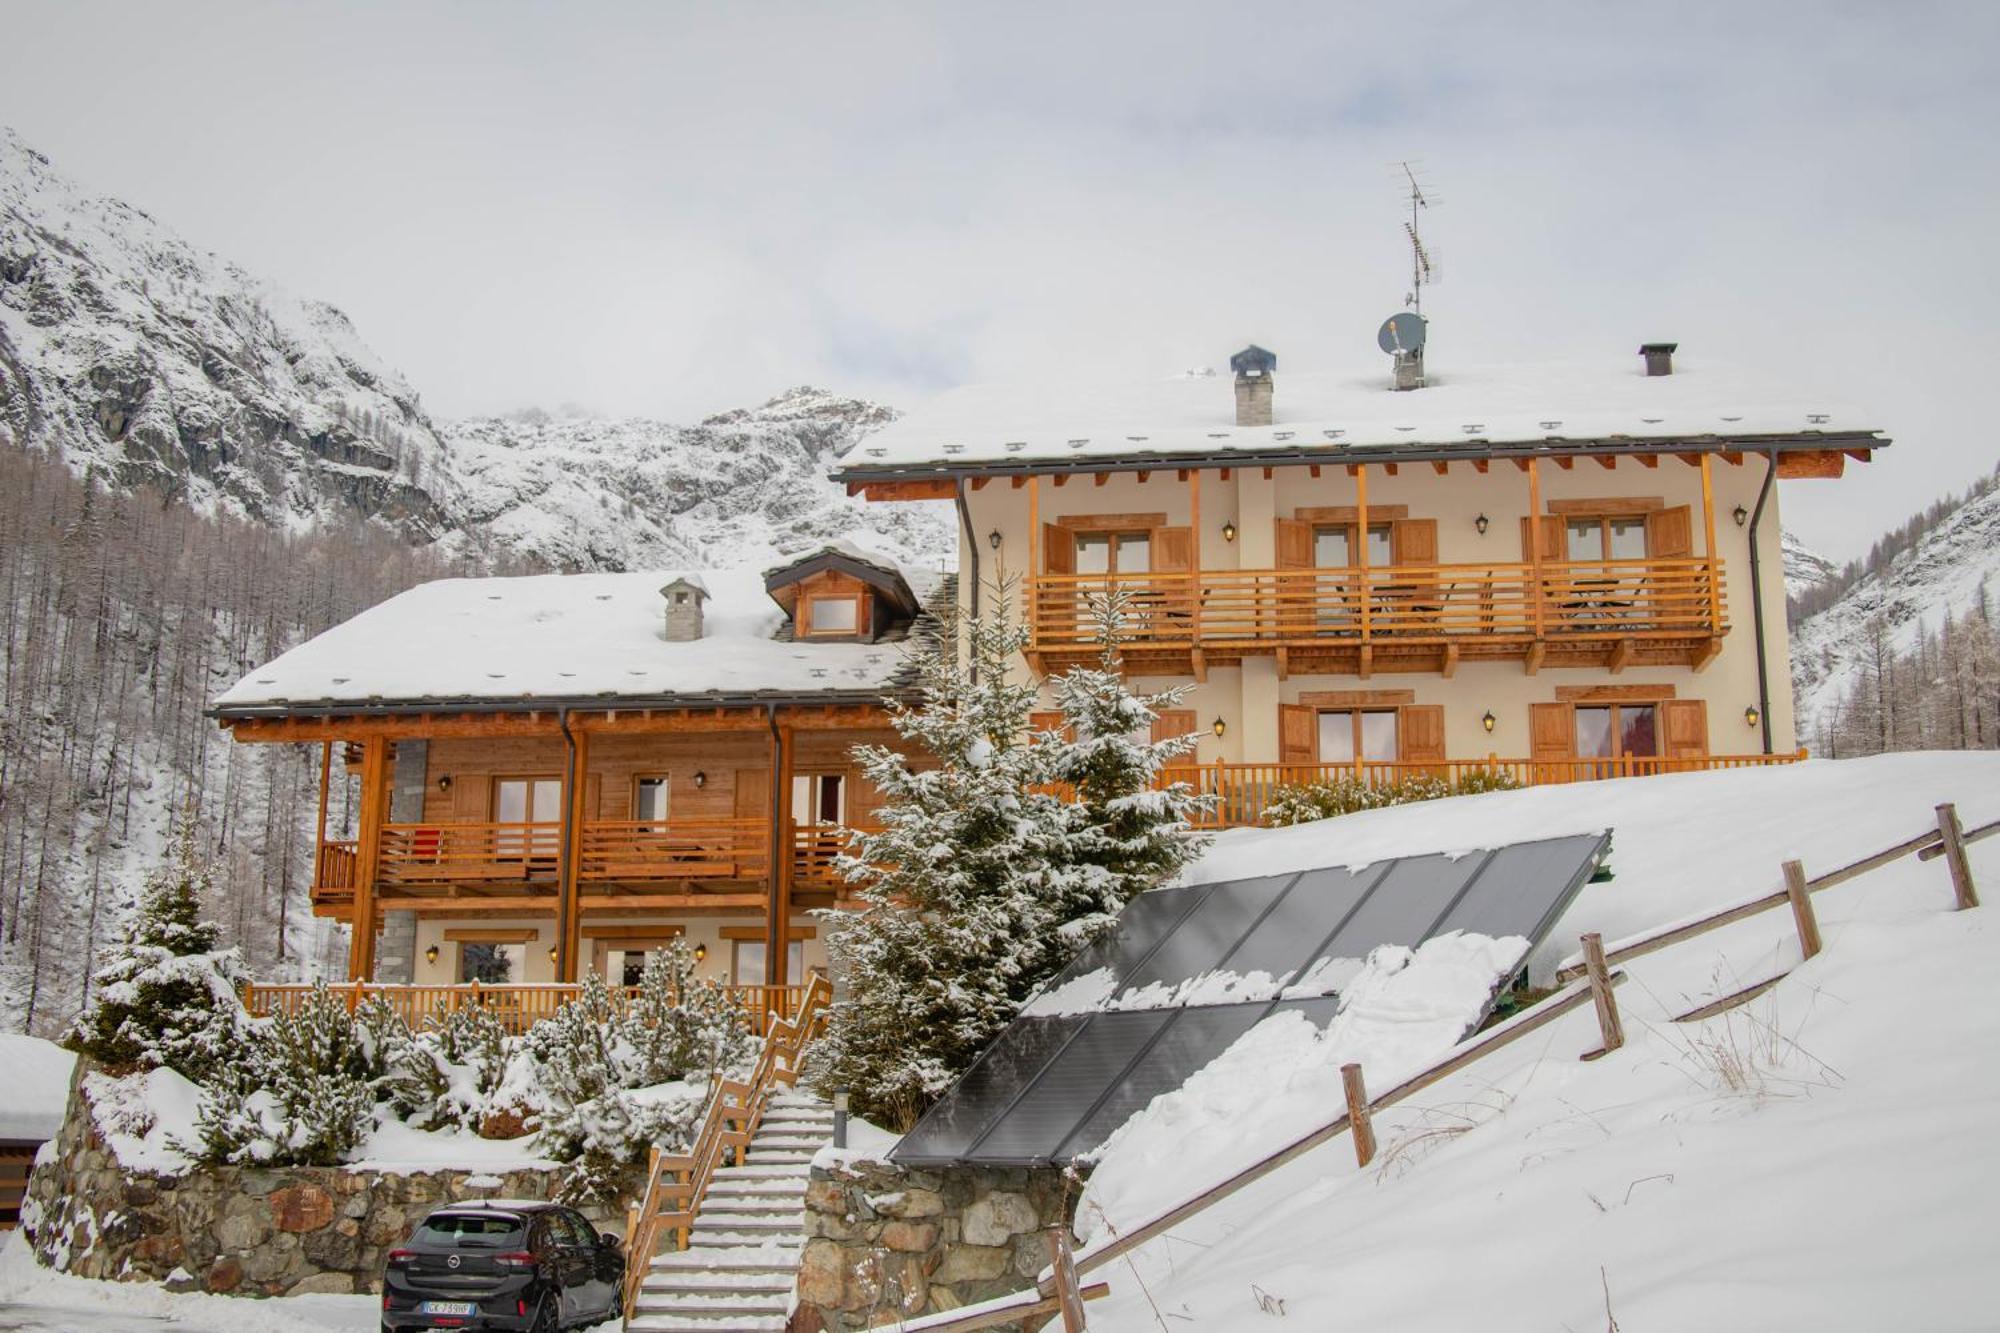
x=1128, y=833
x=301, y=1091
x=679, y=1024
x=167, y=996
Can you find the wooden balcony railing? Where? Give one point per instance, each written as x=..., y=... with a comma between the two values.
x=1262, y=610
x=1244, y=791
x=418, y=854
x=816, y=850
x=516, y=1006
x=675, y=849
x=334, y=870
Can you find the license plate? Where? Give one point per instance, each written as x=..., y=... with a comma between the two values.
x=448, y=1307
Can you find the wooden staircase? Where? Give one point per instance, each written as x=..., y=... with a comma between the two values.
x=734, y=1203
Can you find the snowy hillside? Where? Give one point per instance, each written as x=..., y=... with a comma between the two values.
x=1812, y=1160
x=1805, y=568
x=733, y=490
x=125, y=347
x=1946, y=571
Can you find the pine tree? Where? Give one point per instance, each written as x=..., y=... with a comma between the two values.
x=167, y=996
x=1128, y=833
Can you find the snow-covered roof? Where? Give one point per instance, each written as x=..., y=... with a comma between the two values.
x=1194, y=415
x=38, y=1074
x=559, y=637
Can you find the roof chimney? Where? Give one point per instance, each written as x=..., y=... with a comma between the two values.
x=684, y=598
x=1254, y=368
x=1659, y=357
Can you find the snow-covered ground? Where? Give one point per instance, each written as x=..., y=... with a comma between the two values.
x=35, y=1088
x=1815, y=1159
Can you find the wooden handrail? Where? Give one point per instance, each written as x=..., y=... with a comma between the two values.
x=730, y=1122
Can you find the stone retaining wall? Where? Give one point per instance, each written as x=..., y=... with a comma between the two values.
x=886, y=1242
x=255, y=1232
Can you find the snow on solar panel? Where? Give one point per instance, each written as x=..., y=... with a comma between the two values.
x=1189, y=971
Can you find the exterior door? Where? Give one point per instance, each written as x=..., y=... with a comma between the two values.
x=517, y=801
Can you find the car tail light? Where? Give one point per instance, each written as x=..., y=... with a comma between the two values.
x=516, y=1259
x=521, y=1307
x=401, y=1256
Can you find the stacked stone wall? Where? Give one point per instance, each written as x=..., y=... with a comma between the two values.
x=886, y=1242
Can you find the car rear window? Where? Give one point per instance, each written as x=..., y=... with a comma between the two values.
x=494, y=1229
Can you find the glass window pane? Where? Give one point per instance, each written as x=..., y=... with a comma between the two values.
x=795, y=962
x=1586, y=539
x=1638, y=733
x=1330, y=548
x=1378, y=545
x=510, y=802
x=1593, y=732
x=1093, y=553
x=652, y=802
x=1378, y=736
x=1628, y=539
x=747, y=963
x=491, y=964
x=548, y=801
x=832, y=615
x=1336, y=737
x=1135, y=553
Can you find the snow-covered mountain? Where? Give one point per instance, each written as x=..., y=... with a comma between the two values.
x=126, y=349
x=1944, y=572
x=1805, y=568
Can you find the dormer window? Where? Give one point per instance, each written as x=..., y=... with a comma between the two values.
x=835, y=615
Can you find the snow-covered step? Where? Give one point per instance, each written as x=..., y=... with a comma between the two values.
x=723, y=1323
x=748, y=1224
x=757, y=1187
x=761, y=1170
x=746, y=1260
x=758, y=1205
x=760, y=1281
x=763, y=1146
x=750, y=1303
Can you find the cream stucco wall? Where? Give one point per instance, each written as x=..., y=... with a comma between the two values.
x=702, y=931
x=1247, y=697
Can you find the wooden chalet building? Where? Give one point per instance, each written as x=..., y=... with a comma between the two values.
x=1561, y=572
x=559, y=773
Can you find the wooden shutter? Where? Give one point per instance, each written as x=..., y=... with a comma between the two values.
x=1171, y=722
x=1413, y=541
x=473, y=794
x=1173, y=553
x=1552, y=741
x=1298, y=734
x=1295, y=544
x=1173, y=550
x=1670, y=534
x=593, y=796
x=1058, y=550
x=753, y=795
x=1552, y=538
x=1686, y=728
x=1050, y=720
x=1420, y=733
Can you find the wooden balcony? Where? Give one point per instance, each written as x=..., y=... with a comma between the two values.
x=1243, y=792
x=1405, y=617
x=517, y=1007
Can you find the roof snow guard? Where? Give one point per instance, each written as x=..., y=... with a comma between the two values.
x=1188, y=971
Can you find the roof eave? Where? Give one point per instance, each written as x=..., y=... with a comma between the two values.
x=593, y=703
x=1553, y=446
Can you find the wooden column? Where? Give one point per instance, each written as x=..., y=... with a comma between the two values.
x=1797, y=894
x=1609, y=1024
x=1359, y=1126
x=1194, y=559
x=1361, y=544
x=1952, y=842
x=319, y=842
x=1034, y=533
x=1708, y=548
x=784, y=849
x=1535, y=544
x=368, y=857
x=569, y=884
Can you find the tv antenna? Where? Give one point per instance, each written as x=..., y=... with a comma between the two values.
x=1423, y=269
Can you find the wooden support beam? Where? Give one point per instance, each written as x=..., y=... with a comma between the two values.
x=1647, y=460
x=1180, y=474
x=1606, y=461
x=1267, y=474
x=1440, y=466
x=1952, y=838
x=1364, y=664
x=1811, y=463
x=1704, y=653
x=778, y=913
x=1224, y=473
x=1565, y=462
x=1708, y=547
x=1532, y=662
x=1019, y=482
x=1692, y=460
x=1284, y=657
x=1312, y=470
x=1621, y=656
x=1449, y=666
x=1602, y=996
x=1802, y=908
x=1034, y=536
x=319, y=843
x=1480, y=465
x=1536, y=592
x=1389, y=468
x=1061, y=480
x=368, y=856
x=936, y=488
x=1099, y=478
x=980, y=483
x=569, y=916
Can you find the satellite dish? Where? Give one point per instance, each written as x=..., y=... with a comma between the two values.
x=1402, y=333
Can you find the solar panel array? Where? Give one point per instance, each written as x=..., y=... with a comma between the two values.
x=1051, y=1088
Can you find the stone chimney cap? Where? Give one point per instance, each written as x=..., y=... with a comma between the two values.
x=1253, y=360
x=692, y=582
x=1668, y=348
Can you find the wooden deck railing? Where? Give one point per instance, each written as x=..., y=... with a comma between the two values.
x=334, y=868
x=675, y=849
x=516, y=1006
x=1268, y=608
x=677, y=1183
x=415, y=854
x=1243, y=792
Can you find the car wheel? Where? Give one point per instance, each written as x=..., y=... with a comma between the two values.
x=546, y=1320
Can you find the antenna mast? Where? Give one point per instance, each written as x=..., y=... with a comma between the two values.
x=1422, y=271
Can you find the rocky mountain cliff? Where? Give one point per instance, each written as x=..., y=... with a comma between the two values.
x=127, y=350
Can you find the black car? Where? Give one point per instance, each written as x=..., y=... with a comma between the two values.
x=494, y=1264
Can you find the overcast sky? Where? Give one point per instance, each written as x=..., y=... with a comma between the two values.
x=668, y=210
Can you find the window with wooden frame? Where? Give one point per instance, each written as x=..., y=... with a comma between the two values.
x=1128, y=552
x=1603, y=529
x=652, y=800
x=746, y=961
x=1617, y=723
x=819, y=798
x=524, y=800
x=1368, y=726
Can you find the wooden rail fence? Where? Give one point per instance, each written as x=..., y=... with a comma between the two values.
x=1589, y=980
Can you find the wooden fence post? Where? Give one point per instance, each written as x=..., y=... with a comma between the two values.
x=1358, y=1124
x=1953, y=840
x=1601, y=994
x=1802, y=908
x=1069, y=1297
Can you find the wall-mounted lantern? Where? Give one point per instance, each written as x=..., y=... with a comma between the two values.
x=993, y=539
x=1229, y=530
x=552, y=953
x=700, y=952
x=1220, y=726
x=1751, y=716
x=1741, y=515
x=1487, y=721
x=700, y=779
x=1481, y=523
x=444, y=782
x=431, y=954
